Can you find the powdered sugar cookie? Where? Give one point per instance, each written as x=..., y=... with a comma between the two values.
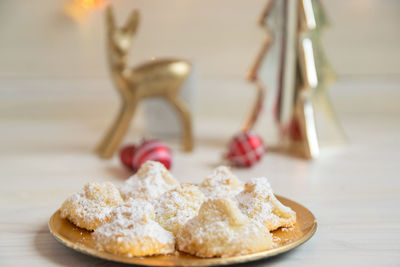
x=90, y=207
x=221, y=183
x=133, y=232
x=151, y=180
x=259, y=203
x=221, y=230
x=175, y=207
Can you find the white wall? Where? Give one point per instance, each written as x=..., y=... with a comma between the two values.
x=37, y=40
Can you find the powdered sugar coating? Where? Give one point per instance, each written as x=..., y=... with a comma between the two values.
x=221, y=183
x=138, y=210
x=175, y=207
x=90, y=207
x=259, y=203
x=220, y=229
x=132, y=231
x=151, y=181
x=230, y=221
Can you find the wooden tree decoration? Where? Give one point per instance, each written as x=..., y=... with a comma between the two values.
x=304, y=74
x=157, y=78
x=253, y=75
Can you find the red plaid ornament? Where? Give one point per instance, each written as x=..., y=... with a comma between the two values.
x=245, y=149
x=134, y=156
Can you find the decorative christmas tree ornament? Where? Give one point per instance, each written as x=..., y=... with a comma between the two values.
x=134, y=156
x=156, y=78
x=245, y=149
x=253, y=75
x=301, y=101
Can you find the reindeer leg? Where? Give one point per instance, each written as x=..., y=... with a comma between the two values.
x=115, y=134
x=186, y=122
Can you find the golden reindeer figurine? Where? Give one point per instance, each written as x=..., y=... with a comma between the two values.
x=157, y=78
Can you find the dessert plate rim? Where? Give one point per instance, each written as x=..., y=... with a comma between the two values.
x=61, y=229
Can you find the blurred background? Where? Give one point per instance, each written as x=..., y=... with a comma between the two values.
x=53, y=64
x=57, y=101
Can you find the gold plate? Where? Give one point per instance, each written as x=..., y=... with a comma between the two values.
x=81, y=240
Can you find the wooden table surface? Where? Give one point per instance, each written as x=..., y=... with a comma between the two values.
x=354, y=190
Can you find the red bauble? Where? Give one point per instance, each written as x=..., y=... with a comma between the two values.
x=295, y=130
x=245, y=149
x=134, y=156
x=126, y=155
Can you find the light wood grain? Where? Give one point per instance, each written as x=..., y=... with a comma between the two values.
x=354, y=190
